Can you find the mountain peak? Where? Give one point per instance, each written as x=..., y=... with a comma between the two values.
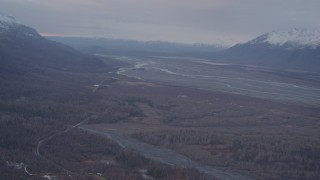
x=9, y=25
x=6, y=19
x=296, y=37
x=7, y=22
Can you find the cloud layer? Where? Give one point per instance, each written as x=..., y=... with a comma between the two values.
x=190, y=21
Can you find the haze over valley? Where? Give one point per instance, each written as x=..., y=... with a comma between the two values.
x=159, y=90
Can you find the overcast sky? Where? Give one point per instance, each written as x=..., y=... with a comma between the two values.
x=189, y=21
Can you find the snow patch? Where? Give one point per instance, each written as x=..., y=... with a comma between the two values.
x=32, y=35
x=49, y=177
x=26, y=171
x=15, y=165
x=7, y=21
x=140, y=65
x=18, y=166
x=295, y=37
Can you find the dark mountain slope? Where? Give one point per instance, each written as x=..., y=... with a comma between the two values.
x=23, y=50
x=297, y=50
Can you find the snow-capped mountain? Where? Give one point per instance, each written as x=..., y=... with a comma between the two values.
x=7, y=21
x=23, y=49
x=297, y=49
x=9, y=25
x=295, y=38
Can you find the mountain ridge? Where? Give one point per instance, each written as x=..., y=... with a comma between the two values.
x=92, y=45
x=297, y=50
x=295, y=38
x=23, y=49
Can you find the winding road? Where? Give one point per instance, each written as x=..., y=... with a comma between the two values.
x=51, y=135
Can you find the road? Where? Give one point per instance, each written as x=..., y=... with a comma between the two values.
x=166, y=156
x=51, y=135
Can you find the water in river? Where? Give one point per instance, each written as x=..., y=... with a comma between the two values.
x=237, y=79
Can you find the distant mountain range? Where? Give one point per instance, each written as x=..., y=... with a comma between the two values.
x=294, y=39
x=136, y=48
x=21, y=47
x=298, y=49
x=23, y=50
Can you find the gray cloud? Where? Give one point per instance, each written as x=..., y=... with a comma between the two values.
x=190, y=21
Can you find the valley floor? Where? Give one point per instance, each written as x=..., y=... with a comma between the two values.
x=230, y=135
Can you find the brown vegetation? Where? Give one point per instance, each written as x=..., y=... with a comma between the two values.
x=267, y=140
x=88, y=155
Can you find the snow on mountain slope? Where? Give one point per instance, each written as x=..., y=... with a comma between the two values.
x=7, y=21
x=9, y=24
x=297, y=49
x=296, y=38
